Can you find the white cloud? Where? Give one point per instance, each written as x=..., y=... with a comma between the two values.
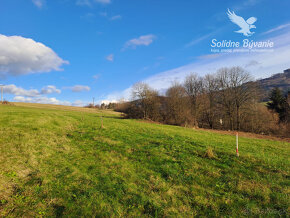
x=38, y=3
x=142, y=40
x=19, y=91
x=46, y=100
x=283, y=26
x=116, y=17
x=124, y=95
x=41, y=100
x=36, y=96
x=50, y=89
x=106, y=102
x=80, y=88
x=110, y=57
x=20, y=56
x=14, y=90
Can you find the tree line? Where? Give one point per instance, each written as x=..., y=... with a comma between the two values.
x=227, y=100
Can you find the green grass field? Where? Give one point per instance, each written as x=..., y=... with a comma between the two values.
x=59, y=162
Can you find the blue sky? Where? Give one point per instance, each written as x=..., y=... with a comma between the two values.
x=99, y=48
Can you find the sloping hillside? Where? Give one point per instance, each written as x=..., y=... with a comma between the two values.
x=279, y=80
x=57, y=162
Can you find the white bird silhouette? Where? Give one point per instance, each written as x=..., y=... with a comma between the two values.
x=245, y=26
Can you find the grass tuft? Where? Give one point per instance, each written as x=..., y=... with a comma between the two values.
x=209, y=153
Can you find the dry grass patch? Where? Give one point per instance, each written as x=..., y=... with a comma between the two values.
x=209, y=153
x=106, y=140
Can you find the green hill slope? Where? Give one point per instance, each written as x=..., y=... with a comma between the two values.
x=56, y=162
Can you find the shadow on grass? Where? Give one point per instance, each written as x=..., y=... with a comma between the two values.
x=58, y=210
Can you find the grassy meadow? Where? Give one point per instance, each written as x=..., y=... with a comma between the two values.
x=57, y=161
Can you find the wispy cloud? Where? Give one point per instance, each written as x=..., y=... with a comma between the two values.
x=249, y=3
x=84, y=3
x=203, y=37
x=89, y=17
x=116, y=17
x=246, y=4
x=209, y=56
x=198, y=40
x=260, y=64
x=38, y=3
x=79, y=88
x=103, y=1
x=110, y=57
x=281, y=27
x=89, y=3
x=96, y=77
x=103, y=14
x=251, y=63
x=142, y=40
x=112, y=18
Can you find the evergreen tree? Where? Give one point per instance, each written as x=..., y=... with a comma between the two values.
x=278, y=103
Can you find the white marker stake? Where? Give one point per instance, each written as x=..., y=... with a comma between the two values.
x=237, y=142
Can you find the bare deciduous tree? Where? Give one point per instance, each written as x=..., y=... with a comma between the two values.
x=211, y=92
x=236, y=90
x=178, y=110
x=147, y=97
x=193, y=85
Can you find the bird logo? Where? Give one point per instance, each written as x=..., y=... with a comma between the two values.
x=245, y=26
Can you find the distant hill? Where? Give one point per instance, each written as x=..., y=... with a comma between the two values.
x=280, y=80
